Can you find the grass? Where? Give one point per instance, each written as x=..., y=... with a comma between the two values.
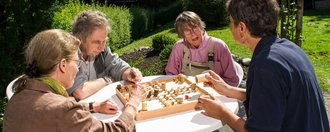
x=316, y=42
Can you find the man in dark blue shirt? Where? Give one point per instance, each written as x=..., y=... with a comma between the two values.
x=283, y=93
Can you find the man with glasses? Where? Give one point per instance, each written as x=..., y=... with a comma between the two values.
x=197, y=52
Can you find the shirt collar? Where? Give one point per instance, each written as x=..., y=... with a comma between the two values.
x=265, y=41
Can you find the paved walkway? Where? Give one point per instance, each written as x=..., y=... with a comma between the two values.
x=326, y=96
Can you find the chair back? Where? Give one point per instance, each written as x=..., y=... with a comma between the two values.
x=9, y=89
x=240, y=72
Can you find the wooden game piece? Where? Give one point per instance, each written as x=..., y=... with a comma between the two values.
x=144, y=106
x=179, y=99
x=163, y=86
x=149, y=94
x=156, y=92
x=119, y=87
x=182, y=78
x=177, y=91
x=201, y=78
x=127, y=96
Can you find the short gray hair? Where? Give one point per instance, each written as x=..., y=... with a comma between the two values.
x=188, y=17
x=87, y=21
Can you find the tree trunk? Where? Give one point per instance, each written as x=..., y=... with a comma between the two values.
x=299, y=22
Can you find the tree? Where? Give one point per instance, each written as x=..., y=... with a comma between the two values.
x=291, y=20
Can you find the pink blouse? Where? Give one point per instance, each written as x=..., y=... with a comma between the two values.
x=223, y=61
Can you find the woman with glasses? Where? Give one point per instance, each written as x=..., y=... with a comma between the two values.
x=197, y=52
x=41, y=103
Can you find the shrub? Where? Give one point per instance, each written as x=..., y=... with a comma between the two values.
x=154, y=3
x=19, y=21
x=165, y=54
x=168, y=13
x=119, y=17
x=160, y=41
x=142, y=21
x=213, y=12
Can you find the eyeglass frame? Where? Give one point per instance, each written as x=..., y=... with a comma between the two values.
x=191, y=31
x=78, y=62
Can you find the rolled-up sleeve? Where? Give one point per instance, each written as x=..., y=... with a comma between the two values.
x=114, y=66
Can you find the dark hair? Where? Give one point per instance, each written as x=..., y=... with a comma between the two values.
x=260, y=16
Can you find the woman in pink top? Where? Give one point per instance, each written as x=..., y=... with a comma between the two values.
x=197, y=52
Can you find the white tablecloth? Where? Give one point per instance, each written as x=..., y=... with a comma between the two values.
x=188, y=121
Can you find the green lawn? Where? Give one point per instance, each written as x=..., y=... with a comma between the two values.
x=316, y=42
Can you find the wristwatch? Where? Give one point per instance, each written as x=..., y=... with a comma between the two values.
x=91, y=108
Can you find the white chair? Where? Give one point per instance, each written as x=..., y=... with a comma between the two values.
x=9, y=90
x=240, y=72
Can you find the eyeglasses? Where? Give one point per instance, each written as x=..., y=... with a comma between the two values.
x=191, y=30
x=78, y=62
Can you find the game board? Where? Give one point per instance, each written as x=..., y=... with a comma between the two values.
x=166, y=96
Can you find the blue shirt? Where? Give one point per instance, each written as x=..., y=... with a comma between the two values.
x=283, y=93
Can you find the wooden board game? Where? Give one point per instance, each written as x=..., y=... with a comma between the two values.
x=166, y=96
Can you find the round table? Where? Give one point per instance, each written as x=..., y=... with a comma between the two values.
x=188, y=121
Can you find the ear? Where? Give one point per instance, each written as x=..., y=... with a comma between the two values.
x=62, y=65
x=242, y=28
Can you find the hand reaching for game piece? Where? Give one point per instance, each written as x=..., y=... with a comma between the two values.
x=212, y=106
x=139, y=93
x=133, y=75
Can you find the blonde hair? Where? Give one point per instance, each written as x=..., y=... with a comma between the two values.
x=44, y=52
x=190, y=18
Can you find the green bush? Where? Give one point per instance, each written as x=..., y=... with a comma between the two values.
x=167, y=14
x=165, y=54
x=119, y=17
x=19, y=21
x=142, y=21
x=160, y=41
x=213, y=12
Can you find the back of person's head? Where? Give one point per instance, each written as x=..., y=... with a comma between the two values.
x=85, y=23
x=190, y=18
x=260, y=16
x=44, y=52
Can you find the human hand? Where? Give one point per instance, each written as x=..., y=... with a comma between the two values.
x=216, y=82
x=212, y=106
x=139, y=93
x=132, y=74
x=108, y=106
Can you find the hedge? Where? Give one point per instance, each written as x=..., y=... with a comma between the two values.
x=119, y=17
